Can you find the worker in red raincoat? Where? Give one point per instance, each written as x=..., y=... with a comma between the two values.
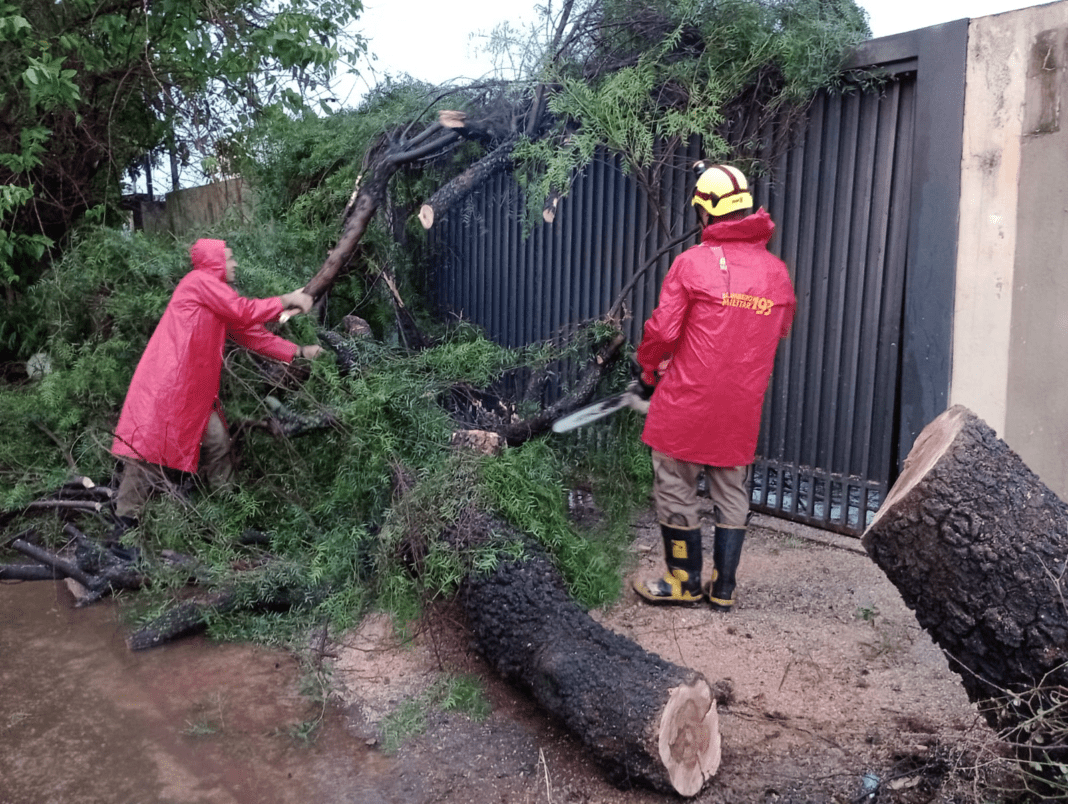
x=708, y=350
x=172, y=417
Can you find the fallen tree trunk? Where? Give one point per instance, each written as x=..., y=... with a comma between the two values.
x=977, y=547
x=645, y=719
x=29, y=572
x=60, y=565
x=516, y=433
x=184, y=619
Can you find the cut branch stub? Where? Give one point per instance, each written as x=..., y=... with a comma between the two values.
x=642, y=717
x=500, y=158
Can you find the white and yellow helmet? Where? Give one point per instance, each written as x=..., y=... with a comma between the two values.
x=720, y=189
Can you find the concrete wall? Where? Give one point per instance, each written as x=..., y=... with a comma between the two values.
x=202, y=207
x=1010, y=334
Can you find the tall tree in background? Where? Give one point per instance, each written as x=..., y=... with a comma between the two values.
x=88, y=87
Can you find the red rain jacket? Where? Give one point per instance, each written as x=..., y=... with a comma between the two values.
x=723, y=307
x=176, y=383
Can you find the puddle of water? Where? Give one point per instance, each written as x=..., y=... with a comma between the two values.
x=84, y=719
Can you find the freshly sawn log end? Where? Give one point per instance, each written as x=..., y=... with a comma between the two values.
x=646, y=720
x=688, y=737
x=426, y=216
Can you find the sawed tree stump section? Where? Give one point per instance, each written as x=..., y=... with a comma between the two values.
x=643, y=718
x=976, y=545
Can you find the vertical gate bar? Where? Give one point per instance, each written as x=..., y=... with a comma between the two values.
x=642, y=291
x=563, y=221
x=458, y=248
x=823, y=180
x=512, y=269
x=579, y=275
x=477, y=278
x=839, y=275
x=505, y=302
x=886, y=111
x=496, y=267
x=471, y=266
x=776, y=406
x=478, y=233
x=887, y=379
x=597, y=237
x=610, y=252
x=441, y=247
x=517, y=308
x=555, y=262
x=807, y=156
x=631, y=262
x=532, y=244
x=517, y=303
x=573, y=270
x=594, y=228
x=493, y=261
x=797, y=241
x=671, y=205
x=853, y=319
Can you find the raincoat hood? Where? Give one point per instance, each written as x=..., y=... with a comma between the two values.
x=176, y=383
x=209, y=255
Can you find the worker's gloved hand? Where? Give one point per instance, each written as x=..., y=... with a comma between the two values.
x=298, y=299
x=645, y=385
x=310, y=352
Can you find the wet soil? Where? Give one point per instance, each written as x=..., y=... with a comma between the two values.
x=832, y=693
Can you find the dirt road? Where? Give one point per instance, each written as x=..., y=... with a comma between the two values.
x=835, y=693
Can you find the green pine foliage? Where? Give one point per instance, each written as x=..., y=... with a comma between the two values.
x=374, y=511
x=655, y=73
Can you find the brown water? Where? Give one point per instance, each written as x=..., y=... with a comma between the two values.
x=84, y=719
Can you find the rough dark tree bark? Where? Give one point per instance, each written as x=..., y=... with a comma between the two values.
x=184, y=619
x=500, y=158
x=645, y=719
x=977, y=546
x=380, y=165
x=515, y=433
x=29, y=572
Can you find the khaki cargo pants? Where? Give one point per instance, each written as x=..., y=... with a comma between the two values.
x=675, y=492
x=140, y=479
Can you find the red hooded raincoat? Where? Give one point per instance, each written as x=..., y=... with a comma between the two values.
x=723, y=307
x=176, y=383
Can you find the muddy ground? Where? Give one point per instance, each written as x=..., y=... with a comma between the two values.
x=836, y=695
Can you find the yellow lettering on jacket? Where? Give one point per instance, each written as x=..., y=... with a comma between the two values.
x=758, y=304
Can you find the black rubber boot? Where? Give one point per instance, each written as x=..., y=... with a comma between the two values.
x=682, y=583
x=726, y=553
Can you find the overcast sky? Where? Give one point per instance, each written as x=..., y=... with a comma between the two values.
x=430, y=39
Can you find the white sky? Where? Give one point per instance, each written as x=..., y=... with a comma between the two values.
x=429, y=39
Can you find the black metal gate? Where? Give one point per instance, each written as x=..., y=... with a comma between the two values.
x=866, y=365
x=826, y=446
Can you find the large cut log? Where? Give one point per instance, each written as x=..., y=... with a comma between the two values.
x=643, y=718
x=977, y=545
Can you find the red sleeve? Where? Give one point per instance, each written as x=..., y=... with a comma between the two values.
x=259, y=340
x=232, y=308
x=664, y=326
